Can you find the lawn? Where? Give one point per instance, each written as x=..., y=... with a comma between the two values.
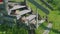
x=54, y=16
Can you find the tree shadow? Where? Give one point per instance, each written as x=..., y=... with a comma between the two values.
x=39, y=6
x=46, y=28
x=47, y=4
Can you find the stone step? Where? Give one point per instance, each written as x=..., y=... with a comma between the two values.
x=19, y=13
x=17, y=7
x=30, y=17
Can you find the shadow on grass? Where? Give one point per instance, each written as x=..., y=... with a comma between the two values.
x=19, y=27
x=47, y=4
x=46, y=28
x=39, y=6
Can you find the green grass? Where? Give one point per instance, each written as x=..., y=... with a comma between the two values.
x=18, y=0
x=53, y=16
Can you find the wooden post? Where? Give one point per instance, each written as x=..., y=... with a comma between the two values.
x=6, y=5
x=47, y=19
x=25, y=2
x=36, y=18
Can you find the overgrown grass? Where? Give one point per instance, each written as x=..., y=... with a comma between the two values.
x=55, y=17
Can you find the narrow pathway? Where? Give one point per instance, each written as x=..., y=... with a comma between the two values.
x=40, y=22
x=46, y=31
